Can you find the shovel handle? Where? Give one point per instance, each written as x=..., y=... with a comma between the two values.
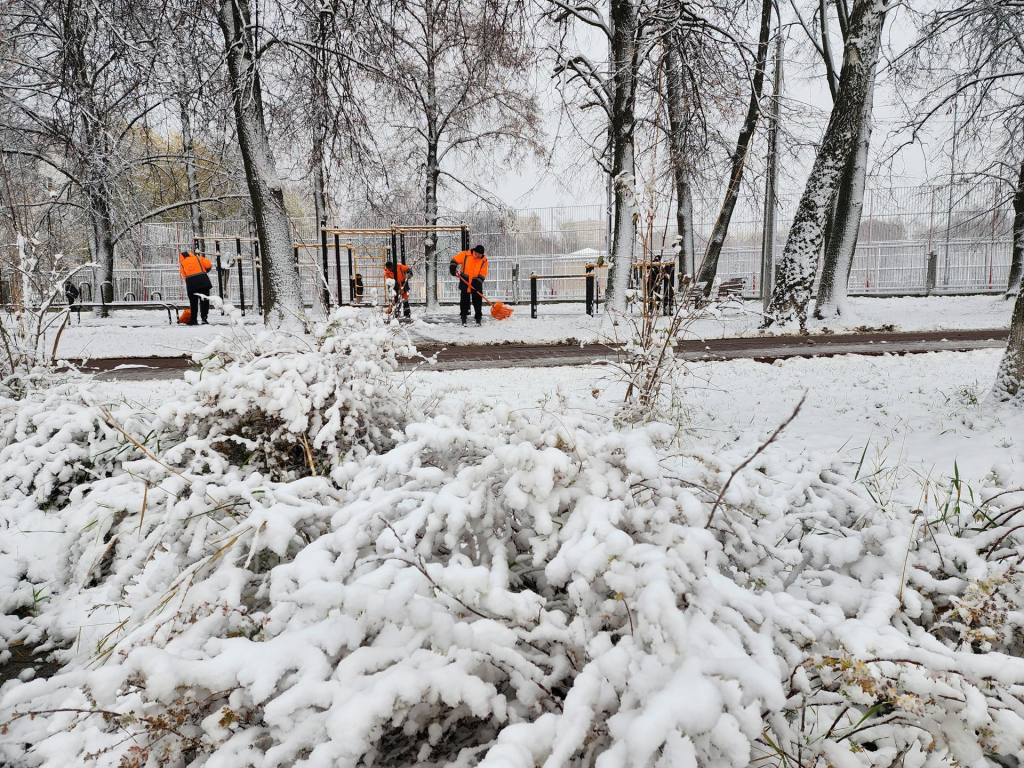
x=474, y=290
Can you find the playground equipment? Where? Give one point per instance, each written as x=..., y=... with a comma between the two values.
x=366, y=251
x=590, y=276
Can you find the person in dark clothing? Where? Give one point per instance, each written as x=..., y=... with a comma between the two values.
x=471, y=269
x=194, y=269
x=71, y=293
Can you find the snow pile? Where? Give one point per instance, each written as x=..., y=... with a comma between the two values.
x=509, y=588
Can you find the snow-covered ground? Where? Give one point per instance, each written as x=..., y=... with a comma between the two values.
x=147, y=333
x=139, y=333
x=566, y=322
x=921, y=411
x=309, y=557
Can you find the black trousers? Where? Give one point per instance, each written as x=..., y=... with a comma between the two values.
x=478, y=303
x=198, y=288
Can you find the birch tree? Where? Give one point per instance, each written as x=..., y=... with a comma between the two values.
x=626, y=30
x=737, y=161
x=451, y=90
x=792, y=293
x=282, y=297
x=842, y=226
x=680, y=119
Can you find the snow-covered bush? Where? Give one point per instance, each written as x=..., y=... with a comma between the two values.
x=506, y=588
x=288, y=405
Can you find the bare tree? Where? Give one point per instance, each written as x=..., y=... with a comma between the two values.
x=842, y=226
x=680, y=117
x=792, y=292
x=449, y=84
x=282, y=297
x=627, y=30
x=973, y=55
x=709, y=266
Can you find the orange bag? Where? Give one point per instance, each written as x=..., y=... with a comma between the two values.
x=185, y=317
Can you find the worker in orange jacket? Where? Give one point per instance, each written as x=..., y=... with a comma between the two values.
x=194, y=269
x=471, y=269
x=401, y=285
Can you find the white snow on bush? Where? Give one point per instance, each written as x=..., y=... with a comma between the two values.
x=475, y=585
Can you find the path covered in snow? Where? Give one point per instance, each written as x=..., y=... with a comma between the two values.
x=147, y=333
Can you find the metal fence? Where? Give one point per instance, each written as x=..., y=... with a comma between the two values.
x=966, y=226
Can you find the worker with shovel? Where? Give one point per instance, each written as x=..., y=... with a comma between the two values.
x=471, y=269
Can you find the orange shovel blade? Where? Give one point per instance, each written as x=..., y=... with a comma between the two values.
x=500, y=312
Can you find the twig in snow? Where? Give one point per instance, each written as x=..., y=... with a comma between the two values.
x=753, y=456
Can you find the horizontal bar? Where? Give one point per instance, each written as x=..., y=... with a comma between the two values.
x=381, y=232
x=557, y=277
x=407, y=228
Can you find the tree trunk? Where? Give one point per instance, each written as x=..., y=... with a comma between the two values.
x=841, y=242
x=1013, y=288
x=188, y=150
x=318, y=111
x=799, y=258
x=1009, y=384
x=101, y=220
x=433, y=174
x=678, y=120
x=709, y=267
x=430, y=219
x=282, y=295
x=624, y=73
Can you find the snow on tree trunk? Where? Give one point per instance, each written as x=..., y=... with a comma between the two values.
x=1009, y=383
x=678, y=125
x=709, y=267
x=1017, y=263
x=624, y=74
x=189, y=152
x=282, y=295
x=103, y=242
x=841, y=245
x=799, y=258
x=430, y=241
x=318, y=113
x=433, y=173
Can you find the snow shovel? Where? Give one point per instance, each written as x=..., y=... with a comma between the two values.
x=498, y=310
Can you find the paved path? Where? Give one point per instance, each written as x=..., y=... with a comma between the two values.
x=760, y=348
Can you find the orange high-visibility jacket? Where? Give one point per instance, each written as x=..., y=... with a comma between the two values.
x=471, y=264
x=190, y=265
x=403, y=278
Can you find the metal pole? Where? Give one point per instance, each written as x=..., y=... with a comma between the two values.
x=337, y=266
x=351, y=278
x=323, y=254
x=241, y=280
x=952, y=174
x=220, y=274
x=771, y=183
x=590, y=289
x=257, y=272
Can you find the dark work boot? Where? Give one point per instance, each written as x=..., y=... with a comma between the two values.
x=479, y=321
x=463, y=321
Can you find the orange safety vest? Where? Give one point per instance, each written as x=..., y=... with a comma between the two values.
x=190, y=265
x=472, y=265
x=403, y=278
